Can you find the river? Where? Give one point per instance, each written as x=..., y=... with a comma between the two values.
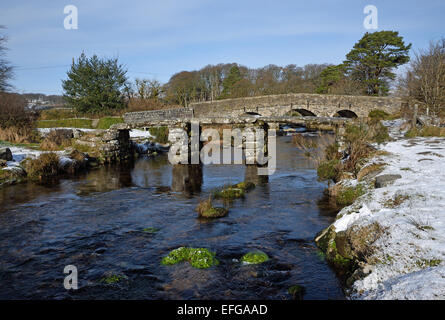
x=96, y=222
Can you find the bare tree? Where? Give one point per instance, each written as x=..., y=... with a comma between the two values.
x=424, y=82
x=6, y=69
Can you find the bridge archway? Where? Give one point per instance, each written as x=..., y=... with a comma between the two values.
x=345, y=114
x=305, y=112
x=251, y=113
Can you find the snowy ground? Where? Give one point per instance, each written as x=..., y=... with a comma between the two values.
x=411, y=252
x=134, y=133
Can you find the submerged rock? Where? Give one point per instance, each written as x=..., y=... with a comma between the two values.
x=200, y=258
x=297, y=292
x=254, y=257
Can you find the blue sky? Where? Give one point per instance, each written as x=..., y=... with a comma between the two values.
x=156, y=39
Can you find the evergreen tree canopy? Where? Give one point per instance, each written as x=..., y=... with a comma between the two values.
x=373, y=58
x=229, y=82
x=95, y=85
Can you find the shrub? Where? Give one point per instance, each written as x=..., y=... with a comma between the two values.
x=427, y=131
x=17, y=122
x=45, y=166
x=57, y=140
x=347, y=196
x=380, y=133
x=329, y=170
x=377, y=115
x=160, y=133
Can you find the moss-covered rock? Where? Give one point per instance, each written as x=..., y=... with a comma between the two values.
x=246, y=186
x=297, y=292
x=206, y=210
x=112, y=279
x=347, y=195
x=349, y=249
x=214, y=212
x=150, y=230
x=254, y=257
x=229, y=193
x=200, y=258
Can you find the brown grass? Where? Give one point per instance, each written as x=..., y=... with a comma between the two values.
x=204, y=205
x=57, y=140
x=19, y=134
x=45, y=166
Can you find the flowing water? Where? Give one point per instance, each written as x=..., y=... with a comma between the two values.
x=96, y=222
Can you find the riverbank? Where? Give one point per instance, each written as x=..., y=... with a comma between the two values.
x=86, y=149
x=391, y=240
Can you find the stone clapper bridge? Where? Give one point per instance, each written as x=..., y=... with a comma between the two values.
x=313, y=111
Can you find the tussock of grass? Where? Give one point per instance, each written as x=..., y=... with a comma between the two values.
x=45, y=166
x=428, y=131
x=347, y=195
x=160, y=133
x=206, y=209
x=57, y=140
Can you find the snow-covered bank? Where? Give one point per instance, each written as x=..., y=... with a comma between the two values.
x=134, y=133
x=408, y=257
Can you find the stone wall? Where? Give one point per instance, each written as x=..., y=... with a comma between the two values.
x=108, y=146
x=279, y=105
x=142, y=117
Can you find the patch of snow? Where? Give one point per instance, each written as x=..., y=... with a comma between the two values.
x=45, y=131
x=135, y=133
x=346, y=220
x=410, y=254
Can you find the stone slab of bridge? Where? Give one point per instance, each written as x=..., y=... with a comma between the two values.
x=306, y=104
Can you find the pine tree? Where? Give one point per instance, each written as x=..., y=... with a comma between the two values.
x=95, y=85
x=373, y=58
x=229, y=82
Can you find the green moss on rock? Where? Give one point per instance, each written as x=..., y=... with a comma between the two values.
x=254, y=257
x=246, y=186
x=150, y=230
x=112, y=279
x=214, y=212
x=348, y=195
x=297, y=292
x=200, y=258
x=229, y=193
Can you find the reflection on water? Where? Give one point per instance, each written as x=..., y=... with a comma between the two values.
x=187, y=178
x=97, y=220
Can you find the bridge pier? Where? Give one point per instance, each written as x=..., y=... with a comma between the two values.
x=187, y=178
